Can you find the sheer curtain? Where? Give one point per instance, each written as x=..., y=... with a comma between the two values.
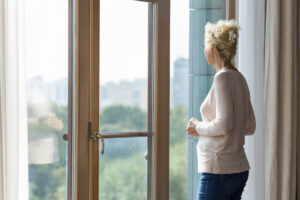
x=13, y=115
x=251, y=16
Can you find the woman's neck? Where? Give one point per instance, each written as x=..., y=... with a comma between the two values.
x=226, y=66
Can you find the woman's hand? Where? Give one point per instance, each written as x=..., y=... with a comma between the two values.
x=191, y=127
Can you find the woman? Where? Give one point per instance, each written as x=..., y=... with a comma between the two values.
x=227, y=116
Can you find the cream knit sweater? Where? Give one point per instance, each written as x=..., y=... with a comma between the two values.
x=227, y=116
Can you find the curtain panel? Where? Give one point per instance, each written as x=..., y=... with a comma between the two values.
x=13, y=110
x=281, y=99
x=251, y=63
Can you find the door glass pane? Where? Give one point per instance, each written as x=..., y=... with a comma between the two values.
x=123, y=98
x=123, y=65
x=123, y=169
x=46, y=47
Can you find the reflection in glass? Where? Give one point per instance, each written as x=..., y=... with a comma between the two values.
x=46, y=47
x=47, y=122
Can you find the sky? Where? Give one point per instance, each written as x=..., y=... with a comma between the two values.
x=123, y=38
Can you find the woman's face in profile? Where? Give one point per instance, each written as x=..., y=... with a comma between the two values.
x=208, y=51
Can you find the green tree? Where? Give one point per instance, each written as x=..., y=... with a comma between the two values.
x=118, y=118
x=178, y=153
x=178, y=122
x=124, y=178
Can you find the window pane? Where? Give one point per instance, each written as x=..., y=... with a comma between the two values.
x=123, y=169
x=179, y=60
x=191, y=79
x=46, y=47
x=123, y=65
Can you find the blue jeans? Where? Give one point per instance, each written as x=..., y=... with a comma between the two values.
x=222, y=186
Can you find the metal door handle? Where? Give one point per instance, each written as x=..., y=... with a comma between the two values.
x=95, y=136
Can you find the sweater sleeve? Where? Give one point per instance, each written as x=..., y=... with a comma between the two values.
x=251, y=122
x=223, y=122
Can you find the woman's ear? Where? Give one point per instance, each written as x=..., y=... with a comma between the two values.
x=216, y=55
x=214, y=50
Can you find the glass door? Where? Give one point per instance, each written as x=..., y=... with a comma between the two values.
x=125, y=105
x=122, y=99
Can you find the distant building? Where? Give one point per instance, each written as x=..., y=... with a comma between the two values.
x=39, y=90
x=36, y=90
x=61, y=92
x=180, y=82
x=127, y=93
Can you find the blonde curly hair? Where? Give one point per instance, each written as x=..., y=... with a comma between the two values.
x=224, y=36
